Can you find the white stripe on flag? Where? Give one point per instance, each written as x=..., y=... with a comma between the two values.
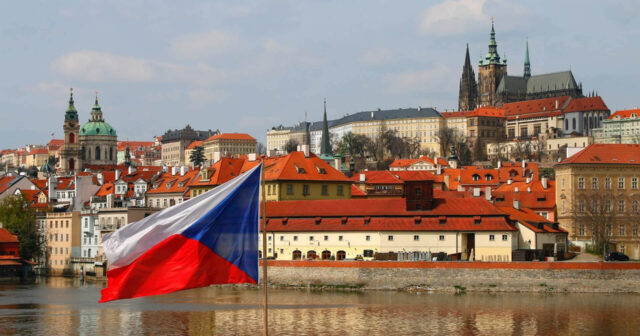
x=123, y=246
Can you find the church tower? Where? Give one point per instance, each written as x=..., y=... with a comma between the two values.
x=468, y=96
x=71, y=151
x=490, y=72
x=325, y=142
x=527, y=64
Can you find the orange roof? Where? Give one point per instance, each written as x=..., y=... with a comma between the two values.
x=7, y=181
x=40, y=183
x=606, y=154
x=220, y=172
x=376, y=177
x=357, y=192
x=55, y=144
x=296, y=167
x=39, y=151
x=405, y=163
x=105, y=189
x=414, y=175
x=7, y=237
x=458, y=114
x=168, y=183
x=487, y=112
x=586, y=104
x=231, y=136
x=530, y=219
x=531, y=195
x=535, y=108
x=122, y=145
x=65, y=183
x=624, y=114
x=194, y=144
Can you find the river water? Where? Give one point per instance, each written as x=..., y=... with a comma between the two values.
x=62, y=306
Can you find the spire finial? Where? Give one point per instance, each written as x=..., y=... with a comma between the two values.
x=96, y=97
x=71, y=96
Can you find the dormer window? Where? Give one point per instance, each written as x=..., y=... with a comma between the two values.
x=300, y=170
x=321, y=170
x=488, y=177
x=476, y=177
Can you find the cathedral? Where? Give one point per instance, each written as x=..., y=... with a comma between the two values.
x=494, y=87
x=94, y=143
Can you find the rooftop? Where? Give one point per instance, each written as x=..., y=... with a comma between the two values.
x=606, y=154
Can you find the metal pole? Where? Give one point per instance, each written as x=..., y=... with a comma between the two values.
x=265, y=311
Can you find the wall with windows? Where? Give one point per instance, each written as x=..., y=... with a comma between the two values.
x=307, y=190
x=63, y=235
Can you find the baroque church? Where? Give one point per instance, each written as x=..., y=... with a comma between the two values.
x=494, y=87
x=93, y=143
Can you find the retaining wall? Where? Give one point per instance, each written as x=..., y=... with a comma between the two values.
x=596, y=277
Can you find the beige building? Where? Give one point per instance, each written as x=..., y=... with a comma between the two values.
x=175, y=142
x=63, y=240
x=228, y=144
x=552, y=148
x=601, y=180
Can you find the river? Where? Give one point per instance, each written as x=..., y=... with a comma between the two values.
x=63, y=306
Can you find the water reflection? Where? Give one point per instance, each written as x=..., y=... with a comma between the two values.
x=60, y=306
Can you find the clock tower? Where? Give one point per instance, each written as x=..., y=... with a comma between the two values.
x=71, y=151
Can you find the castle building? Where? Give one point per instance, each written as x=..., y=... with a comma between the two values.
x=495, y=87
x=94, y=143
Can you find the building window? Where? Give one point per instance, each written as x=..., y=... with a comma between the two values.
x=634, y=206
x=492, y=237
x=594, y=183
x=441, y=238
x=326, y=238
x=340, y=238
x=621, y=230
x=340, y=190
x=563, y=206
x=582, y=230
x=620, y=182
x=295, y=238
x=416, y=237
x=269, y=238
x=367, y=238
x=581, y=205
x=305, y=189
x=281, y=238
x=505, y=237
x=580, y=182
x=289, y=189
x=634, y=230
x=367, y=253
x=607, y=183
x=310, y=238
x=562, y=183
x=621, y=205
x=325, y=190
x=269, y=189
x=634, y=183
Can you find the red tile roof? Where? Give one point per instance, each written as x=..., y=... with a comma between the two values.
x=220, y=172
x=7, y=237
x=457, y=114
x=376, y=177
x=122, y=145
x=39, y=151
x=586, y=104
x=296, y=167
x=530, y=219
x=357, y=192
x=487, y=112
x=414, y=175
x=536, y=199
x=405, y=163
x=55, y=144
x=6, y=182
x=40, y=183
x=194, y=144
x=231, y=136
x=606, y=154
x=168, y=183
x=105, y=189
x=535, y=108
x=624, y=114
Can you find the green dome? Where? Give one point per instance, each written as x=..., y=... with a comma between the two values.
x=97, y=128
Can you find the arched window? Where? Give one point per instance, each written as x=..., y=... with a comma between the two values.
x=89, y=253
x=341, y=255
x=111, y=154
x=312, y=255
x=326, y=255
x=72, y=164
x=97, y=152
x=72, y=138
x=566, y=124
x=297, y=255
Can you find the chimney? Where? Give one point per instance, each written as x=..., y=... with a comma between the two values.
x=487, y=193
x=438, y=169
x=174, y=170
x=476, y=192
x=524, y=165
x=446, y=181
x=363, y=178
x=252, y=157
x=515, y=190
x=33, y=187
x=306, y=150
x=460, y=187
x=110, y=201
x=516, y=204
x=545, y=182
x=372, y=114
x=337, y=164
x=419, y=108
x=529, y=189
x=100, y=178
x=117, y=175
x=183, y=170
x=556, y=104
x=509, y=181
x=130, y=170
x=528, y=180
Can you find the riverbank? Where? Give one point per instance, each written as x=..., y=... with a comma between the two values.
x=544, y=277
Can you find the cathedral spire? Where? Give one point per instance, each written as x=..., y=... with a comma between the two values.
x=325, y=144
x=527, y=64
x=468, y=94
x=492, y=56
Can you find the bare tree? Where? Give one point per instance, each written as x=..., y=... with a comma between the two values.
x=447, y=138
x=291, y=146
x=597, y=212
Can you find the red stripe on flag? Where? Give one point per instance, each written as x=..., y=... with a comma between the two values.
x=175, y=264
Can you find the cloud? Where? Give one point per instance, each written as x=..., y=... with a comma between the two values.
x=456, y=17
x=101, y=67
x=95, y=66
x=375, y=57
x=204, y=45
x=435, y=78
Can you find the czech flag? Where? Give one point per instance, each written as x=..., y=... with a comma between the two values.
x=209, y=239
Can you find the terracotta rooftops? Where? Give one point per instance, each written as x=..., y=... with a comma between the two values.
x=231, y=136
x=122, y=145
x=586, y=104
x=296, y=167
x=376, y=177
x=194, y=144
x=624, y=114
x=606, y=154
x=487, y=112
x=530, y=219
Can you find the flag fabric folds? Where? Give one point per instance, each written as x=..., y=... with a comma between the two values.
x=209, y=239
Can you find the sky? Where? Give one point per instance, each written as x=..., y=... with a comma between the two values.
x=245, y=66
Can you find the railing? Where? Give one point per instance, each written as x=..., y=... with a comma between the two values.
x=384, y=192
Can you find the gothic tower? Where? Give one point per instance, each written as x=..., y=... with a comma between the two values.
x=468, y=96
x=490, y=72
x=527, y=64
x=71, y=151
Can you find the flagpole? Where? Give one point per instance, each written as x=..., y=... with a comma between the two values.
x=265, y=311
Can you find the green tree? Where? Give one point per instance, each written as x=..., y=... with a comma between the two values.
x=352, y=145
x=20, y=220
x=197, y=156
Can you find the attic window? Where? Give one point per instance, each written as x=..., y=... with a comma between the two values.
x=300, y=170
x=488, y=177
x=321, y=170
x=285, y=220
x=318, y=220
x=499, y=199
x=476, y=177
x=442, y=219
x=343, y=220
x=477, y=220
x=417, y=220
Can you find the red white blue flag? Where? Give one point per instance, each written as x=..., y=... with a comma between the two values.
x=209, y=239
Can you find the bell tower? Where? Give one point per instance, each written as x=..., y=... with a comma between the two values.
x=71, y=151
x=490, y=71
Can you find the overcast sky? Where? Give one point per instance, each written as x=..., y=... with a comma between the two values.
x=244, y=66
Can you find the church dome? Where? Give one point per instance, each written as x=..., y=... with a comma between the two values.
x=96, y=125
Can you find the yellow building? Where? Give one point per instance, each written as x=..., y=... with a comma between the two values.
x=297, y=177
x=601, y=180
x=63, y=240
x=228, y=144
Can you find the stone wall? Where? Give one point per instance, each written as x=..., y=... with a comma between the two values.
x=448, y=276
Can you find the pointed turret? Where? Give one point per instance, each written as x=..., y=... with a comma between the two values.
x=492, y=56
x=468, y=94
x=325, y=143
x=71, y=114
x=527, y=64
